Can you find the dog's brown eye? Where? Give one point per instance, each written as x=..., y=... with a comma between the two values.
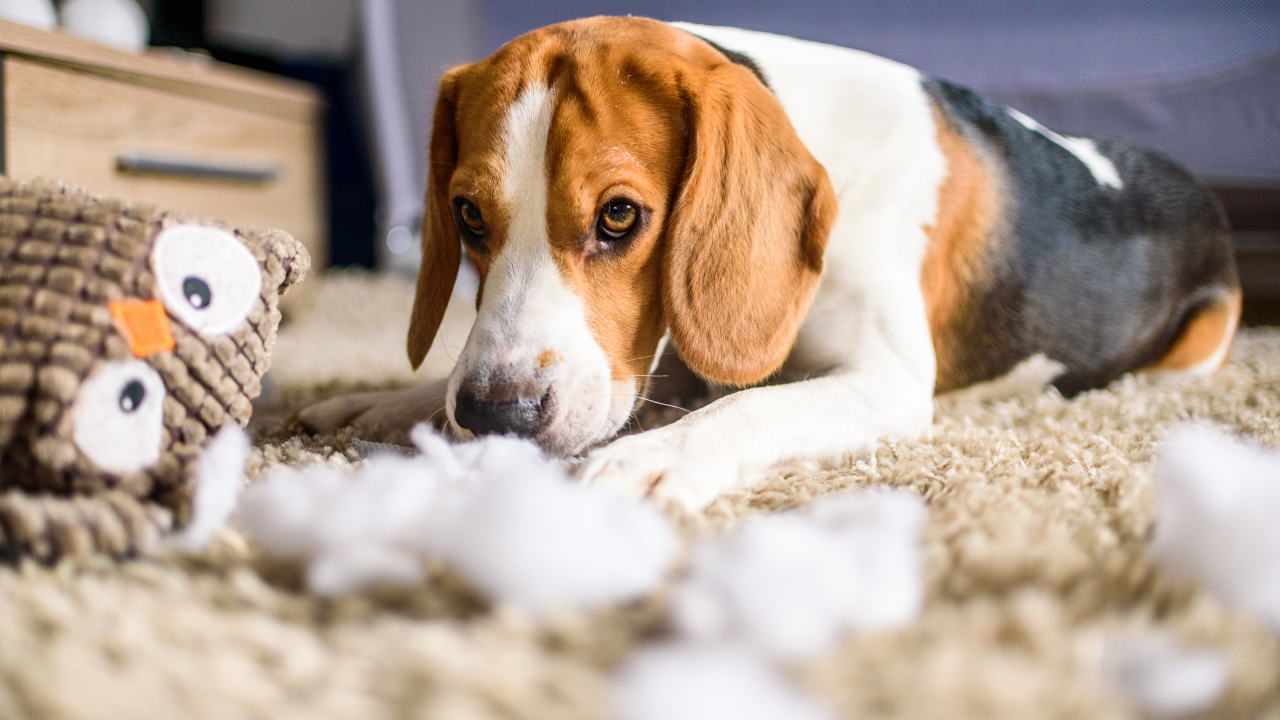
x=471, y=217
x=618, y=217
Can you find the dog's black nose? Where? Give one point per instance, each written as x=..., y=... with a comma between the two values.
x=521, y=417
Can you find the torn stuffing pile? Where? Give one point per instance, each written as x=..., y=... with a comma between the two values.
x=495, y=510
x=792, y=584
x=784, y=588
x=706, y=682
x=1163, y=678
x=1216, y=508
x=219, y=480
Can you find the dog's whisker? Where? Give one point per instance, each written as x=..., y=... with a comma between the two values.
x=425, y=402
x=410, y=410
x=655, y=402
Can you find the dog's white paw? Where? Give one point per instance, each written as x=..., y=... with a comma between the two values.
x=663, y=465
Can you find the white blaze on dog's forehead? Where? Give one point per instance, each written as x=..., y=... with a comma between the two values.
x=524, y=268
x=524, y=184
x=528, y=306
x=1103, y=170
x=526, y=299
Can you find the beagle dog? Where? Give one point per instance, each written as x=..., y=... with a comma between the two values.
x=837, y=233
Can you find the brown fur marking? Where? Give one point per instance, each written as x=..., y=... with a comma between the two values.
x=968, y=210
x=547, y=358
x=1202, y=336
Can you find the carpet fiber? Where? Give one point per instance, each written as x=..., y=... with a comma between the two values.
x=1040, y=509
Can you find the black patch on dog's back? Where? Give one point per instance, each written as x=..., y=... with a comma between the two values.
x=1098, y=278
x=738, y=58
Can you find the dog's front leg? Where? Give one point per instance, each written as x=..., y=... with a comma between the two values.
x=733, y=441
x=385, y=416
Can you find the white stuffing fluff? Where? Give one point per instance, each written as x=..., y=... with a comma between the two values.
x=706, y=682
x=540, y=541
x=791, y=584
x=496, y=510
x=1163, y=679
x=1216, y=508
x=219, y=477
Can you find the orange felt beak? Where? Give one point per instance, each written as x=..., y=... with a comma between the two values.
x=143, y=324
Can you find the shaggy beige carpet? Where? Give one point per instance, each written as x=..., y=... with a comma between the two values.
x=1040, y=510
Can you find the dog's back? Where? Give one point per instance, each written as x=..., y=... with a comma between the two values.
x=1102, y=256
x=1105, y=256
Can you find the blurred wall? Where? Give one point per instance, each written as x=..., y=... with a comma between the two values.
x=406, y=46
x=435, y=35
x=283, y=28
x=987, y=44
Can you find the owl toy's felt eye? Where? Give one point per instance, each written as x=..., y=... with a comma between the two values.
x=119, y=416
x=207, y=278
x=197, y=292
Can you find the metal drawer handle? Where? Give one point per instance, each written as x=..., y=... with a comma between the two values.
x=168, y=166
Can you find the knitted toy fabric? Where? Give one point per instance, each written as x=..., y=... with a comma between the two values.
x=128, y=336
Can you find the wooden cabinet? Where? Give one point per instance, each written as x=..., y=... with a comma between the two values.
x=179, y=131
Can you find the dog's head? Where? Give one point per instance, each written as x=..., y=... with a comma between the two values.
x=614, y=180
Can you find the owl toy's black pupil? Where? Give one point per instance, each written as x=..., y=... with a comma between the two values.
x=197, y=292
x=132, y=395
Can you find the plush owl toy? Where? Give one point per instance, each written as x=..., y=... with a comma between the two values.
x=128, y=336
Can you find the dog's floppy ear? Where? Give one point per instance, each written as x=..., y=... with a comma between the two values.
x=441, y=248
x=746, y=237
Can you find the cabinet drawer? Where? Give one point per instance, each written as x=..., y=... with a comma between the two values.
x=138, y=143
